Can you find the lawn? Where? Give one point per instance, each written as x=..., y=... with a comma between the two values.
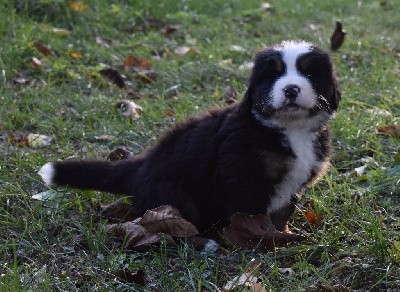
x=184, y=55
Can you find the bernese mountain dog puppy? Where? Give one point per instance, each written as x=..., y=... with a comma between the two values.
x=255, y=157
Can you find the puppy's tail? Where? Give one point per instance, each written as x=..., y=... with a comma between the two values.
x=108, y=176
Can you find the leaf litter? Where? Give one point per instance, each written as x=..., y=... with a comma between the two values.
x=156, y=226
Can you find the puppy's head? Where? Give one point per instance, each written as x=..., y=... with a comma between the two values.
x=292, y=85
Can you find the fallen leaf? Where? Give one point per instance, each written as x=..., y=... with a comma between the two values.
x=118, y=211
x=130, y=109
x=60, y=31
x=147, y=76
x=360, y=170
x=181, y=51
x=266, y=6
x=21, y=140
x=46, y=196
x=114, y=76
x=167, y=219
x=119, y=154
x=136, y=234
x=37, y=82
x=338, y=36
x=78, y=6
x=312, y=218
x=105, y=42
x=44, y=49
x=37, y=140
x=168, y=112
x=390, y=130
x=36, y=63
x=170, y=28
x=236, y=48
x=248, y=280
x=21, y=80
x=104, y=137
x=75, y=55
x=256, y=231
x=133, y=62
x=137, y=278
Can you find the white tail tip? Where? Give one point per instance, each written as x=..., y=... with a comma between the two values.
x=47, y=173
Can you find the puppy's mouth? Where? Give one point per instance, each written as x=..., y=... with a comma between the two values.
x=291, y=107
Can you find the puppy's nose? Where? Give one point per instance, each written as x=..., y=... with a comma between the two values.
x=291, y=91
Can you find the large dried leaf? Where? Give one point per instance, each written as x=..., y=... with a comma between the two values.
x=337, y=37
x=43, y=49
x=134, y=62
x=256, y=231
x=390, y=130
x=105, y=42
x=167, y=219
x=118, y=210
x=136, y=234
x=114, y=76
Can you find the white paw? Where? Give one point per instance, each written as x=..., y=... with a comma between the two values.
x=47, y=173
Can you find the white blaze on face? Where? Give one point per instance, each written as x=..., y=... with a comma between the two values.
x=307, y=97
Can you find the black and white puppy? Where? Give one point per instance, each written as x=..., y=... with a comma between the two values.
x=255, y=157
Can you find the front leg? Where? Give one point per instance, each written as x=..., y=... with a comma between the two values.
x=280, y=218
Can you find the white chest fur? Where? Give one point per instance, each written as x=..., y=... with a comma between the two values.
x=302, y=144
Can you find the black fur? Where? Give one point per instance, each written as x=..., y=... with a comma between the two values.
x=219, y=163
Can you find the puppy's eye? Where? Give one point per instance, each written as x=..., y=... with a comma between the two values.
x=274, y=68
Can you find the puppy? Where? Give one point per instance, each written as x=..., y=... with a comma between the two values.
x=255, y=157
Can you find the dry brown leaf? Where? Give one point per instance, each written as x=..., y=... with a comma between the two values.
x=133, y=62
x=170, y=28
x=167, y=219
x=338, y=36
x=390, y=130
x=44, y=49
x=118, y=211
x=105, y=42
x=168, y=112
x=78, y=6
x=312, y=218
x=75, y=55
x=147, y=75
x=256, y=231
x=136, y=234
x=114, y=76
x=130, y=109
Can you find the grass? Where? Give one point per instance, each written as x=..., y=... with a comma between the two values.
x=64, y=246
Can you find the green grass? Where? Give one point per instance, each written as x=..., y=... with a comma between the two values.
x=64, y=246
